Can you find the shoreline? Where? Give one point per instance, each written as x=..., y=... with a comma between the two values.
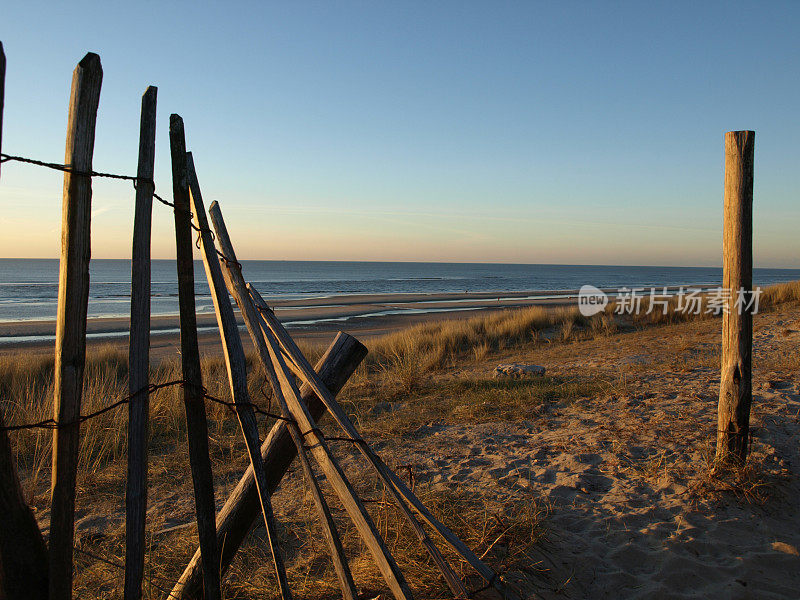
x=308, y=311
x=314, y=319
x=311, y=320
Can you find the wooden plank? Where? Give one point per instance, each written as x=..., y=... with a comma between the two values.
x=73, y=297
x=2, y=93
x=383, y=558
x=23, y=555
x=139, y=353
x=238, y=289
x=735, y=389
x=193, y=393
x=390, y=478
x=237, y=371
x=242, y=508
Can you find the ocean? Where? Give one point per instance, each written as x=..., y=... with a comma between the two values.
x=29, y=287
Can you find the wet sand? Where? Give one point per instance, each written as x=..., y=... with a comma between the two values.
x=314, y=320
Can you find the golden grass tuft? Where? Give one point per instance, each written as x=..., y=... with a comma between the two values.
x=782, y=293
x=431, y=346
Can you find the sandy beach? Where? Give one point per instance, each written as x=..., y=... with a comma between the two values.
x=309, y=319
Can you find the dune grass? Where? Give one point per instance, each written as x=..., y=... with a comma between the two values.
x=401, y=361
x=407, y=355
x=431, y=346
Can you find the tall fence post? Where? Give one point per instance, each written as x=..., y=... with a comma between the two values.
x=23, y=555
x=2, y=92
x=193, y=397
x=73, y=297
x=139, y=353
x=735, y=389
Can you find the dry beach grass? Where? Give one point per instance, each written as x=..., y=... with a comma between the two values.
x=593, y=481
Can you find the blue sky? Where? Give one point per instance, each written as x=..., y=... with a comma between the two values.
x=571, y=132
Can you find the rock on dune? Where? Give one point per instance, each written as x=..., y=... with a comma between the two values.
x=518, y=370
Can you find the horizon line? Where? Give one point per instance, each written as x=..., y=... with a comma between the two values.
x=435, y=262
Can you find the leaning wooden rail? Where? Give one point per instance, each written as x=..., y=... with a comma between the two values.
x=242, y=508
x=237, y=369
x=238, y=289
x=289, y=398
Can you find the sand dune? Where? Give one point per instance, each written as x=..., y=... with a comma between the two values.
x=632, y=510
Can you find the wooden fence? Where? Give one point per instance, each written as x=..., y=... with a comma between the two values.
x=30, y=570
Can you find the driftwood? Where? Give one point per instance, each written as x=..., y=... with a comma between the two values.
x=193, y=397
x=73, y=298
x=735, y=388
x=242, y=508
x=139, y=354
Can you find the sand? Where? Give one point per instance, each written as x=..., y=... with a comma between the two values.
x=632, y=510
x=315, y=319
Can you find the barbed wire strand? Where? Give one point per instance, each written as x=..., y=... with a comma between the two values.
x=132, y=178
x=153, y=387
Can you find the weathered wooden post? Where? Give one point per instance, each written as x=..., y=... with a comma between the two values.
x=2, y=91
x=139, y=353
x=735, y=389
x=193, y=395
x=73, y=297
x=23, y=555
